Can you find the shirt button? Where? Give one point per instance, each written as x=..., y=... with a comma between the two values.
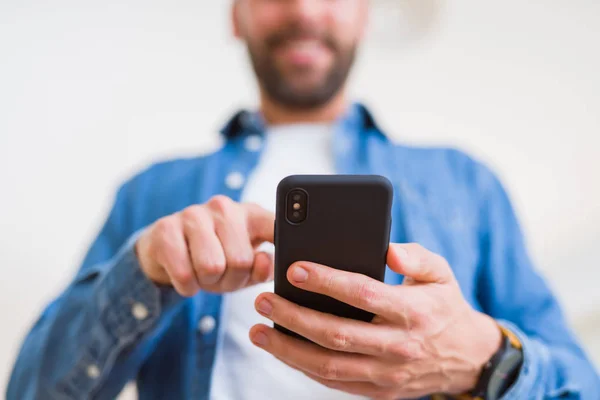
x=93, y=371
x=206, y=324
x=139, y=311
x=235, y=180
x=253, y=143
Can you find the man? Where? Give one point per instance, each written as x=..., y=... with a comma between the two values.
x=168, y=293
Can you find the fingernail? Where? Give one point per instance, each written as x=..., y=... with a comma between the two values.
x=299, y=274
x=260, y=339
x=264, y=307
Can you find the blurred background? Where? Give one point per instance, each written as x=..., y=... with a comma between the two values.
x=91, y=91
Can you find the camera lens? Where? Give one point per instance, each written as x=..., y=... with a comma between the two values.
x=296, y=208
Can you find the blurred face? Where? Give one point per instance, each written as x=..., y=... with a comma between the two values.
x=301, y=50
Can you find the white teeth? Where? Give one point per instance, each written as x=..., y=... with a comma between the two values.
x=304, y=45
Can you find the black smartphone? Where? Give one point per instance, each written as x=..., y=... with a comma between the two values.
x=342, y=221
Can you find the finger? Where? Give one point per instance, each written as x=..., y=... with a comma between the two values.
x=331, y=331
x=231, y=229
x=359, y=388
x=416, y=262
x=263, y=268
x=397, y=386
x=321, y=362
x=355, y=289
x=172, y=254
x=261, y=224
x=204, y=246
x=367, y=389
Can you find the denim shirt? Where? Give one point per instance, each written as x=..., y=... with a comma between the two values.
x=111, y=325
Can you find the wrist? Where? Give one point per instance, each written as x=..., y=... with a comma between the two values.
x=492, y=335
x=487, y=342
x=502, y=370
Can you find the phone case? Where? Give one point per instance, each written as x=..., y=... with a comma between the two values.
x=347, y=226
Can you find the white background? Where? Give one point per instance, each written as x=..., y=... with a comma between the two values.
x=91, y=91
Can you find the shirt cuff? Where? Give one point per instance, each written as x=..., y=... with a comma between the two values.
x=126, y=304
x=128, y=300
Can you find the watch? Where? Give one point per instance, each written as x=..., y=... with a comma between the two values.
x=501, y=371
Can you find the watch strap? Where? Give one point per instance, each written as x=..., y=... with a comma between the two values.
x=509, y=342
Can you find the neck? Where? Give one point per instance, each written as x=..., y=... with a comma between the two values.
x=278, y=114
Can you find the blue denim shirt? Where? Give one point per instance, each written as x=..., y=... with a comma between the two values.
x=112, y=325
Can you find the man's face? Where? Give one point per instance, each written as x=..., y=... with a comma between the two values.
x=301, y=50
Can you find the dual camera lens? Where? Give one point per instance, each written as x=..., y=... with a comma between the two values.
x=296, y=206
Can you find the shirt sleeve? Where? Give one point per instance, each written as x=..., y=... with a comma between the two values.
x=91, y=340
x=555, y=366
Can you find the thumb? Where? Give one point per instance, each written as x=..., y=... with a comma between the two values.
x=414, y=261
x=261, y=224
x=263, y=268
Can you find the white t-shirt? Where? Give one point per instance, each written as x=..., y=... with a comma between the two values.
x=242, y=371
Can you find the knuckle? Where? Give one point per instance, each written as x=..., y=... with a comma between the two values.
x=416, y=248
x=367, y=293
x=185, y=277
x=337, y=339
x=164, y=236
x=421, y=320
x=193, y=213
x=211, y=268
x=328, y=370
x=293, y=319
x=440, y=260
x=220, y=203
x=423, y=314
x=329, y=281
x=395, y=350
x=240, y=260
x=395, y=378
x=442, y=266
x=163, y=228
x=380, y=347
x=410, y=350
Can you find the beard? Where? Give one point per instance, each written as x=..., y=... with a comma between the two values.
x=281, y=88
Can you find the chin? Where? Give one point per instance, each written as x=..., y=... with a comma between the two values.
x=307, y=84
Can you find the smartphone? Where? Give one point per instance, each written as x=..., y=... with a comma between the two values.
x=342, y=221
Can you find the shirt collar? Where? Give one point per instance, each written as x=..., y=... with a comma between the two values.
x=244, y=122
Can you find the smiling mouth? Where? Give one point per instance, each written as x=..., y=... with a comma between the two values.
x=303, y=51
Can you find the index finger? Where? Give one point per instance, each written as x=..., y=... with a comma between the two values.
x=352, y=288
x=261, y=224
